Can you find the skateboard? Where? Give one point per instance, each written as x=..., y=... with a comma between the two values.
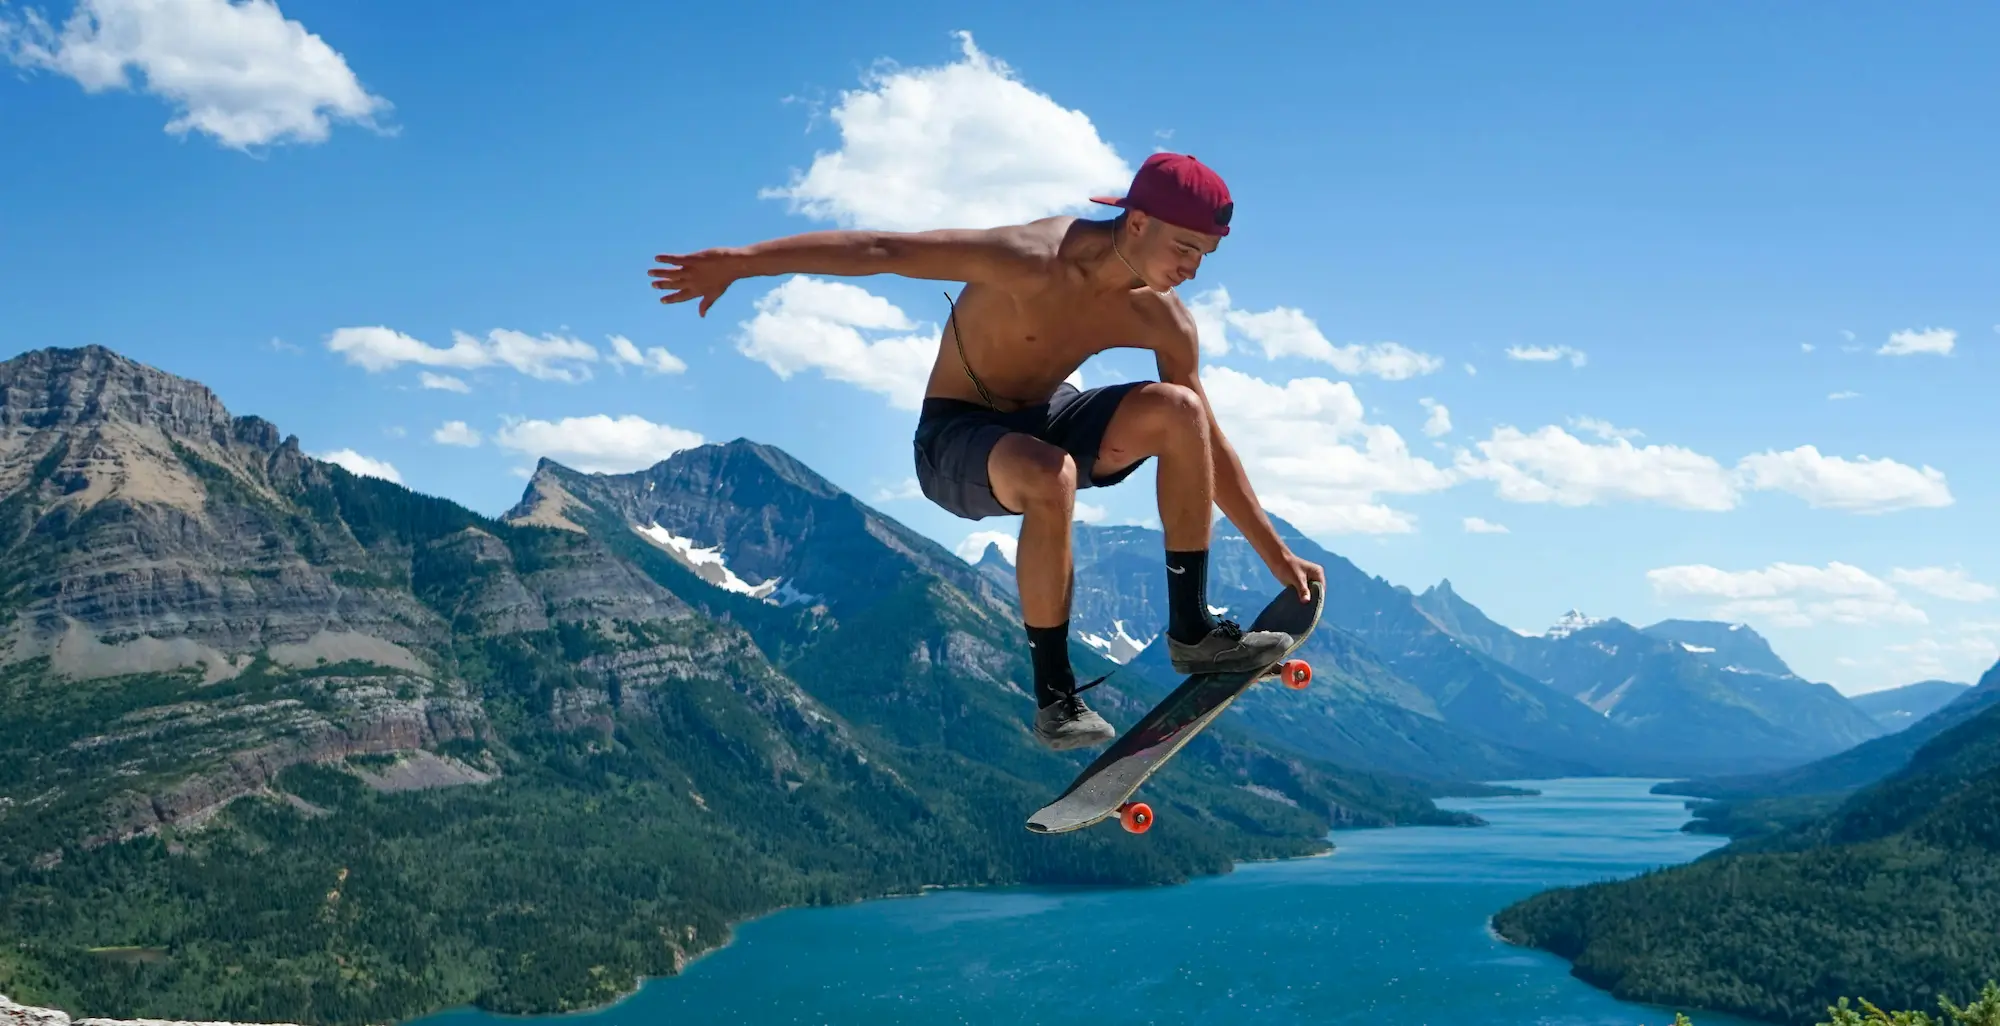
x=1103, y=788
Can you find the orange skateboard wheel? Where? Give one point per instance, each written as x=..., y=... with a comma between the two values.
x=1296, y=673
x=1135, y=817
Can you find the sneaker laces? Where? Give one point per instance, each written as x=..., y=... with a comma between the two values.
x=1068, y=701
x=1229, y=629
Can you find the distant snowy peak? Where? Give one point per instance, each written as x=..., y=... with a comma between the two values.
x=709, y=565
x=1119, y=647
x=1570, y=623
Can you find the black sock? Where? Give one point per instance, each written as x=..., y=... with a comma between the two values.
x=1049, y=648
x=1187, y=596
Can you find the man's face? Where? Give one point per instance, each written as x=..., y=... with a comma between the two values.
x=1169, y=254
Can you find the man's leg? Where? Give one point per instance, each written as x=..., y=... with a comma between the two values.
x=1169, y=422
x=1166, y=421
x=1039, y=480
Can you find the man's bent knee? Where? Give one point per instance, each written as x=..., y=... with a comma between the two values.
x=1175, y=402
x=1153, y=419
x=1029, y=473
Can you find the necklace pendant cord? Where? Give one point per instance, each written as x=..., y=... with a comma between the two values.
x=965, y=363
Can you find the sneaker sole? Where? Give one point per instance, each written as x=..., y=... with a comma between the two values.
x=1065, y=742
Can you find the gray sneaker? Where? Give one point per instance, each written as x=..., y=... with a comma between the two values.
x=1229, y=649
x=1068, y=723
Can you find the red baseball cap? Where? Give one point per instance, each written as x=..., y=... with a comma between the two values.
x=1179, y=190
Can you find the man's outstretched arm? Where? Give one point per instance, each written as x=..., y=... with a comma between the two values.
x=952, y=254
x=1178, y=360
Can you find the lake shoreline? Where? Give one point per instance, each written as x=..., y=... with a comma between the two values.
x=1496, y=796
x=729, y=930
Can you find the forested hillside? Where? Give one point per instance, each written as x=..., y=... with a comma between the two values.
x=1894, y=894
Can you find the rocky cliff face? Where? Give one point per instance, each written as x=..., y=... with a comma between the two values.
x=190, y=605
x=12, y=1014
x=750, y=518
x=146, y=529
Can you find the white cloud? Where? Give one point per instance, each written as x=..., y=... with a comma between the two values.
x=1862, y=485
x=964, y=144
x=376, y=349
x=1960, y=658
x=1937, y=341
x=1953, y=583
x=597, y=444
x=1778, y=579
x=442, y=382
x=1846, y=334
x=808, y=323
x=1211, y=320
x=1837, y=396
x=1314, y=458
x=1471, y=371
x=1805, y=347
x=1089, y=514
x=357, y=464
x=1552, y=465
x=455, y=432
x=974, y=545
x=239, y=72
x=1790, y=594
x=1479, y=525
x=1547, y=354
x=1439, y=421
x=1603, y=428
x=907, y=488
x=654, y=359
x=548, y=358
x=1286, y=331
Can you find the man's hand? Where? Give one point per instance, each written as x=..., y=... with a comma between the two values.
x=1297, y=574
x=707, y=274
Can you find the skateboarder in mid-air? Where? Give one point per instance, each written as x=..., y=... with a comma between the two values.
x=1001, y=432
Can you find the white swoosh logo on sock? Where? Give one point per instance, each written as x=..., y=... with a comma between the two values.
x=1175, y=570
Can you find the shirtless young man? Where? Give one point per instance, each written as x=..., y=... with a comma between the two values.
x=1001, y=433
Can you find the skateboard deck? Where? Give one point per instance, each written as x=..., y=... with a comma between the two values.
x=1101, y=789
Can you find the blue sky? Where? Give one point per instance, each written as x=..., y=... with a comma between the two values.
x=1633, y=253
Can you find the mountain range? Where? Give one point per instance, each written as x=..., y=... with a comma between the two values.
x=238, y=675
x=265, y=721
x=1897, y=708
x=1429, y=685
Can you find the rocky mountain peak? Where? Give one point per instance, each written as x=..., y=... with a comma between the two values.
x=81, y=426
x=1571, y=622
x=749, y=518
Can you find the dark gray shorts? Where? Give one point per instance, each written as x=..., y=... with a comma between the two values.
x=954, y=439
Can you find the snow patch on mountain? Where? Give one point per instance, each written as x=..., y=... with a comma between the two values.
x=709, y=565
x=1120, y=647
x=1570, y=623
x=1695, y=648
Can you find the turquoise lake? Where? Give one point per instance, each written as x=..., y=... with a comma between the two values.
x=1390, y=929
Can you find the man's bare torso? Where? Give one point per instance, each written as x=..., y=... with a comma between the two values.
x=1022, y=339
